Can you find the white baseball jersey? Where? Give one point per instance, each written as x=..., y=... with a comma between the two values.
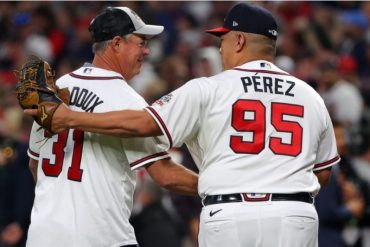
x=253, y=129
x=85, y=181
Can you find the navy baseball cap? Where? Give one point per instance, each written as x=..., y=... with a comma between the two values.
x=248, y=18
x=120, y=21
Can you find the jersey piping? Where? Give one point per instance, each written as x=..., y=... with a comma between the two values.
x=161, y=124
x=262, y=71
x=33, y=154
x=326, y=164
x=148, y=159
x=95, y=77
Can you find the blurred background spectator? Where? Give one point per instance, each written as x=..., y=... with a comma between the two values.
x=326, y=44
x=154, y=224
x=16, y=192
x=338, y=92
x=344, y=202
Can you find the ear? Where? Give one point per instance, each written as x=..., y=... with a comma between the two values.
x=240, y=42
x=116, y=43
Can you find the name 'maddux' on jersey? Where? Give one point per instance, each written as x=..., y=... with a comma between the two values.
x=85, y=181
x=249, y=128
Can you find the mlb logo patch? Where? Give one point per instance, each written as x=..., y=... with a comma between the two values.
x=87, y=70
x=265, y=65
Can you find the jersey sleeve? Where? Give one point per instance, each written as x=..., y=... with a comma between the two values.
x=36, y=141
x=140, y=151
x=327, y=154
x=178, y=114
x=143, y=151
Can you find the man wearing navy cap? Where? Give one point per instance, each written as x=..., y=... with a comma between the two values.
x=85, y=181
x=262, y=139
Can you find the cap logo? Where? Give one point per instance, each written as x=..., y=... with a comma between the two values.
x=273, y=32
x=235, y=24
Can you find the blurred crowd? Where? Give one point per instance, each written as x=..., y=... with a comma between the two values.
x=326, y=44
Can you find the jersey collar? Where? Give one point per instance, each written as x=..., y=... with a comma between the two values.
x=90, y=70
x=261, y=66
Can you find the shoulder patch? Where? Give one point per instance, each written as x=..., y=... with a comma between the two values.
x=165, y=99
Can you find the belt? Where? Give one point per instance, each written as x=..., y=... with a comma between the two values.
x=257, y=197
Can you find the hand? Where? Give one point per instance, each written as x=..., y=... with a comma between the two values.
x=12, y=234
x=356, y=206
x=36, y=88
x=59, y=120
x=350, y=191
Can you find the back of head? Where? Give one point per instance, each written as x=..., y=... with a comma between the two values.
x=255, y=32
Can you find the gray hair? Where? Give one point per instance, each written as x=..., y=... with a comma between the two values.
x=98, y=47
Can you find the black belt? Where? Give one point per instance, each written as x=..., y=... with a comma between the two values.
x=251, y=197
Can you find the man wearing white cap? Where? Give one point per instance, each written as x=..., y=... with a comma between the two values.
x=85, y=181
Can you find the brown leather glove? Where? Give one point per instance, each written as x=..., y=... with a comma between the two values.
x=36, y=89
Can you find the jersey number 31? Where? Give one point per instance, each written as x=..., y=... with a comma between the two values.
x=74, y=171
x=258, y=127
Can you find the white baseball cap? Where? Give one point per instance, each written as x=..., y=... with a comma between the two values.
x=120, y=21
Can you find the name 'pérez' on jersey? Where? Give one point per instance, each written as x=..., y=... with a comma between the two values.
x=84, y=99
x=265, y=84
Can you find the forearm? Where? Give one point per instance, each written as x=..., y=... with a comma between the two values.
x=125, y=123
x=33, y=168
x=119, y=132
x=186, y=183
x=323, y=176
x=102, y=121
x=174, y=177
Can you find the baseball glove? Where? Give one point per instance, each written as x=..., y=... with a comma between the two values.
x=36, y=89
